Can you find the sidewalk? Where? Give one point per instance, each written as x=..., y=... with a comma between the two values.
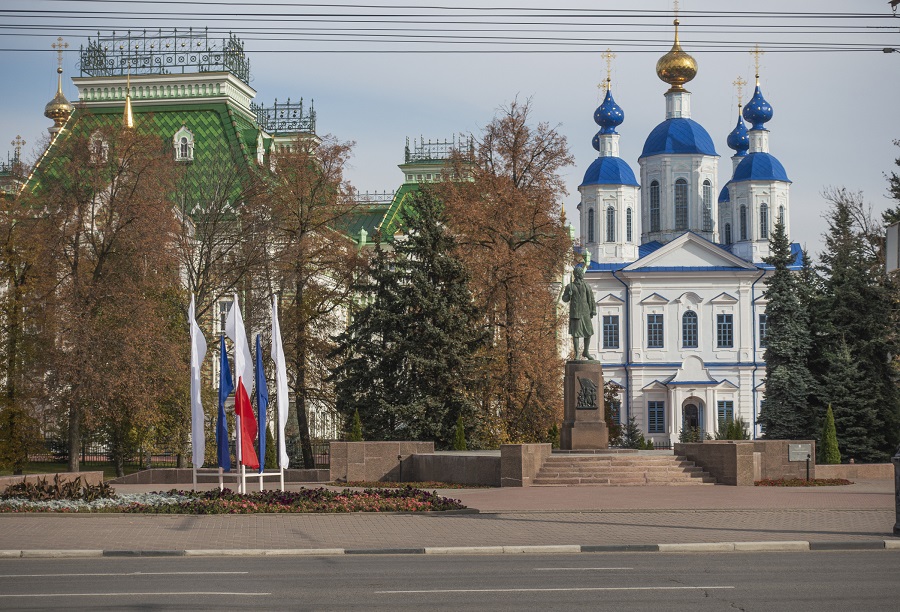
x=533, y=516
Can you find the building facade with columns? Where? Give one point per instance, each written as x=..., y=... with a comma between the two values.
x=676, y=264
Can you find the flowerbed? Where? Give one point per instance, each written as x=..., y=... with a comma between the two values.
x=225, y=501
x=799, y=482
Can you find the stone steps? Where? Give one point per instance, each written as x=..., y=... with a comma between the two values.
x=618, y=470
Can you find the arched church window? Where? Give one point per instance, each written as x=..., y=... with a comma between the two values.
x=184, y=145
x=99, y=148
x=654, y=206
x=681, y=204
x=763, y=220
x=628, y=225
x=743, y=222
x=590, y=236
x=781, y=214
x=728, y=233
x=707, y=206
x=689, y=329
x=610, y=224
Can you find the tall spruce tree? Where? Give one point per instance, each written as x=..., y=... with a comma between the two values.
x=856, y=312
x=411, y=352
x=787, y=413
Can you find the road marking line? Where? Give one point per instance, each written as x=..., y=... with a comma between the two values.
x=578, y=569
x=556, y=589
x=122, y=574
x=133, y=594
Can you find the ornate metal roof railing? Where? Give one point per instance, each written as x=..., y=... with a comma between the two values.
x=375, y=197
x=163, y=53
x=437, y=150
x=11, y=166
x=285, y=118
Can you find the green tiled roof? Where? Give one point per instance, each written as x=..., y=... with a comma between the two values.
x=215, y=126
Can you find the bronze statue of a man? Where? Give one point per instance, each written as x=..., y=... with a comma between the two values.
x=582, y=310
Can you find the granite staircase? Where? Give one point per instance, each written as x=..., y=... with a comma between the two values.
x=620, y=470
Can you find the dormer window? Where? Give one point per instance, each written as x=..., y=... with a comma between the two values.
x=99, y=148
x=183, y=142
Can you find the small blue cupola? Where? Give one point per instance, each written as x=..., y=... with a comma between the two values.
x=738, y=139
x=758, y=112
x=609, y=115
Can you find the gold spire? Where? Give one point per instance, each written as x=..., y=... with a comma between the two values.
x=18, y=143
x=128, y=119
x=58, y=109
x=756, y=53
x=739, y=85
x=609, y=56
x=676, y=67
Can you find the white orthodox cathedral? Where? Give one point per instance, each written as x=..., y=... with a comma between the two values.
x=677, y=272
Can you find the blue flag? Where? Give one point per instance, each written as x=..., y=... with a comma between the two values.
x=262, y=402
x=225, y=389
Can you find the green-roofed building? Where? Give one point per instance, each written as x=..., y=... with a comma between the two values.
x=187, y=87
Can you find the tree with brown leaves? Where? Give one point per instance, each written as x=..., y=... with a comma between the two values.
x=506, y=208
x=117, y=354
x=313, y=265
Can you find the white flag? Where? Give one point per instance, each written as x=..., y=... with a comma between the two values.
x=198, y=352
x=243, y=360
x=281, y=385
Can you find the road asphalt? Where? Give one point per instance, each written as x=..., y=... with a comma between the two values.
x=508, y=520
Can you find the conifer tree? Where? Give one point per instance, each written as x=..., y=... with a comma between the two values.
x=855, y=331
x=410, y=353
x=787, y=413
x=828, y=444
x=459, y=439
x=356, y=434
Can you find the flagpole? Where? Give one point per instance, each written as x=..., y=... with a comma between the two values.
x=237, y=449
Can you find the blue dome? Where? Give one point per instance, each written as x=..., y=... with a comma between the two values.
x=678, y=136
x=595, y=141
x=738, y=139
x=758, y=111
x=609, y=114
x=724, y=196
x=609, y=171
x=760, y=167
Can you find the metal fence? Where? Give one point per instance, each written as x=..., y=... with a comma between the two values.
x=94, y=452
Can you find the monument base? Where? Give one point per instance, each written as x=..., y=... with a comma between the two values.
x=584, y=425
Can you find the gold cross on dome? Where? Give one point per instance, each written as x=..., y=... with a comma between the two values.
x=18, y=143
x=59, y=45
x=757, y=53
x=609, y=56
x=739, y=84
x=675, y=6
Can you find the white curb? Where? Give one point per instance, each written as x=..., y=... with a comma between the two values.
x=563, y=548
x=771, y=546
x=892, y=544
x=59, y=554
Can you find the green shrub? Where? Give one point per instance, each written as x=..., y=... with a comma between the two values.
x=271, y=459
x=733, y=429
x=692, y=434
x=356, y=432
x=829, y=453
x=459, y=436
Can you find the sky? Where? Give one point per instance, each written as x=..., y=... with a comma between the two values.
x=383, y=71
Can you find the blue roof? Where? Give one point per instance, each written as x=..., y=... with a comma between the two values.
x=609, y=171
x=758, y=111
x=739, y=139
x=609, y=115
x=724, y=196
x=760, y=167
x=649, y=247
x=679, y=136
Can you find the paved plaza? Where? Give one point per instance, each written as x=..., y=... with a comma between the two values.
x=532, y=516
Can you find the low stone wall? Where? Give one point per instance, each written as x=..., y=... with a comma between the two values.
x=857, y=471
x=92, y=478
x=520, y=463
x=774, y=462
x=460, y=469
x=182, y=476
x=741, y=462
x=373, y=461
x=730, y=462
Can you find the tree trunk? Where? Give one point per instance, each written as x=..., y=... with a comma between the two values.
x=74, y=439
x=300, y=358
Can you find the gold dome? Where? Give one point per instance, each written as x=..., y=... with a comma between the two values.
x=676, y=67
x=59, y=109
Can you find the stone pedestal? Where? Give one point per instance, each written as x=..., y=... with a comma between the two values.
x=584, y=427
